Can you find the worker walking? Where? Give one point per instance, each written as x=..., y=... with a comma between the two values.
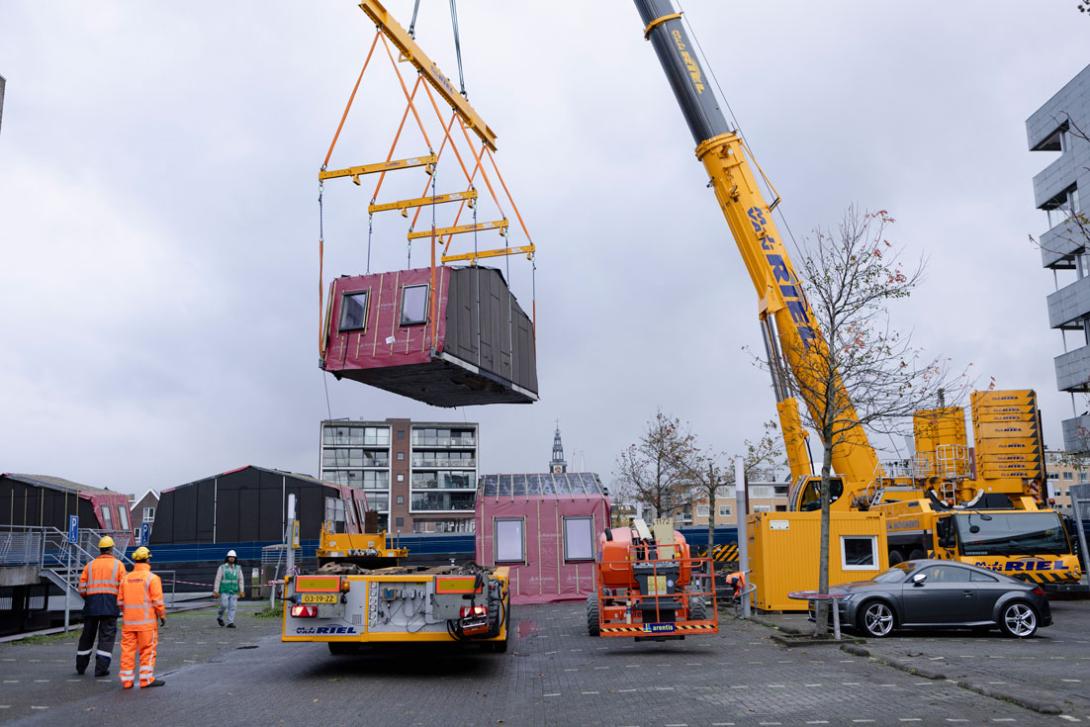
x=141, y=602
x=98, y=585
x=227, y=588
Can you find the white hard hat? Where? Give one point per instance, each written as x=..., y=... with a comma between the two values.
x=232, y=554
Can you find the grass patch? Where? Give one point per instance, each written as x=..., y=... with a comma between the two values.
x=266, y=612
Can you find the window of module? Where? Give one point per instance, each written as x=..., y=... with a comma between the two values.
x=414, y=305
x=510, y=540
x=859, y=552
x=107, y=518
x=122, y=518
x=578, y=539
x=354, y=311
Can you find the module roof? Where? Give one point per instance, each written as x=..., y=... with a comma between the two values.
x=579, y=484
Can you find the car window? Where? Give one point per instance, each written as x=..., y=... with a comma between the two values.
x=947, y=574
x=978, y=577
x=896, y=574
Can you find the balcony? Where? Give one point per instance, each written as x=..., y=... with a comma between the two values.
x=443, y=501
x=440, y=460
x=1077, y=434
x=1060, y=244
x=1069, y=304
x=1073, y=370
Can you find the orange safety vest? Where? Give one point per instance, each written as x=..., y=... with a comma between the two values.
x=102, y=576
x=141, y=599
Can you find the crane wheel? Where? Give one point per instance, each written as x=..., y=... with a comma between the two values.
x=592, y=614
x=698, y=610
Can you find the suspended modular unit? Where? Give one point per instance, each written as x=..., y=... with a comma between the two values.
x=447, y=336
x=471, y=343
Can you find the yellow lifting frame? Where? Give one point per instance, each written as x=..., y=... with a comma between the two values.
x=500, y=225
x=528, y=250
x=428, y=160
x=428, y=69
x=406, y=204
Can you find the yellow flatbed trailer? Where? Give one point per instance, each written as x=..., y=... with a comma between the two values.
x=345, y=604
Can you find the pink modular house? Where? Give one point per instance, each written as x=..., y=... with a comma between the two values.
x=545, y=528
x=449, y=337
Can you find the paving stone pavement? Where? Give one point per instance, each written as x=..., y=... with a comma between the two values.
x=553, y=674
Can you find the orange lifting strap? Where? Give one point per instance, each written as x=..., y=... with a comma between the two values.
x=432, y=81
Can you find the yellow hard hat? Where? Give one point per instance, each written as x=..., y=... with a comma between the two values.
x=105, y=542
x=141, y=553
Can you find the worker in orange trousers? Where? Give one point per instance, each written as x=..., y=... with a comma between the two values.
x=142, y=611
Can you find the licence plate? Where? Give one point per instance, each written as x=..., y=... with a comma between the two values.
x=330, y=598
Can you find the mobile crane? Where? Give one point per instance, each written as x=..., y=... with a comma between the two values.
x=992, y=519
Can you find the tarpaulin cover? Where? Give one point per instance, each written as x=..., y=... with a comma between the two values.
x=545, y=528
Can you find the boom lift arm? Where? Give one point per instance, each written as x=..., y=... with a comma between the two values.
x=792, y=337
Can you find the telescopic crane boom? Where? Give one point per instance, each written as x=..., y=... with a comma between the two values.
x=790, y=331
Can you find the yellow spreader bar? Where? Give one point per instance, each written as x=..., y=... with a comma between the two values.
x=405, y=204
x=525, y=249
x=356, y=172
x=500, y=225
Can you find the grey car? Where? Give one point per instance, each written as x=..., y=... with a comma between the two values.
x=943, y=594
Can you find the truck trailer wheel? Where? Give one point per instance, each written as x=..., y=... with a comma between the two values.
x=592, y=614
x=341, y=649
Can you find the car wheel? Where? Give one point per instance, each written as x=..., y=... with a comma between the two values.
x=876, y=619
x=896, y=557
x=592, y=614
x=917, y=554
x=1018, y=620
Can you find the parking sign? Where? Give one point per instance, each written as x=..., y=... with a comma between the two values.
x=73, y=528
x=145, y=533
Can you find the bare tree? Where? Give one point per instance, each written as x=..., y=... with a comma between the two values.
x=862, y=374
x=1084, y=7
x=707, y=470
x=652, y=470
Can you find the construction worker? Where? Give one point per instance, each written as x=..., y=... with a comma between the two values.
x=227, y=588
x=98, y=585
x=142, y=611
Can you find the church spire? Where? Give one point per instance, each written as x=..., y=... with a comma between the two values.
x=558, y=466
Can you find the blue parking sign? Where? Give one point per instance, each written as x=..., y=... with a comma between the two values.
x=73, y=528
x=145, y=533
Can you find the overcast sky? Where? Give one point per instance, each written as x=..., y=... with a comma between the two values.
x=158, y=216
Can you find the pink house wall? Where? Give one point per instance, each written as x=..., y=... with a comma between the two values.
x=544, y=576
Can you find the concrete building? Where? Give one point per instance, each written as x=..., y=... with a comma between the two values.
x=1062, y=192
x=421, y=477
x=1065, y=470
x=766, y=494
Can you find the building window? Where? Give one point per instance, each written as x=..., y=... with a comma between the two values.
x=510, y=543
x=334, y=513
x=724, y=510
x=400, y=433
x=122, y=518
x=400, y=499
x=781, y=508
x=859, y=552
x=578, y=539
x=442, y=501
x=762, y=492
x=1069, y=475
x=401, y=478
x=107, y=518
x=149, y=514
x=702, y=511
x=354, y=311
x=414, y=305
x=400, y=521
x=401, y=455
x=762, y=508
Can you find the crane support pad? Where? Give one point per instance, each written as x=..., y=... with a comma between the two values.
x=357, y=172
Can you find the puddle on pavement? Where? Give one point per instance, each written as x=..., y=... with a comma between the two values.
x=526, y=628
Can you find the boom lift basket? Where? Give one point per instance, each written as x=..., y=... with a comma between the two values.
x=469, y=343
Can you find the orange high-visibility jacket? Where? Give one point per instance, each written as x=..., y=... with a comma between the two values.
x=99, y=585
x=141, y=599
